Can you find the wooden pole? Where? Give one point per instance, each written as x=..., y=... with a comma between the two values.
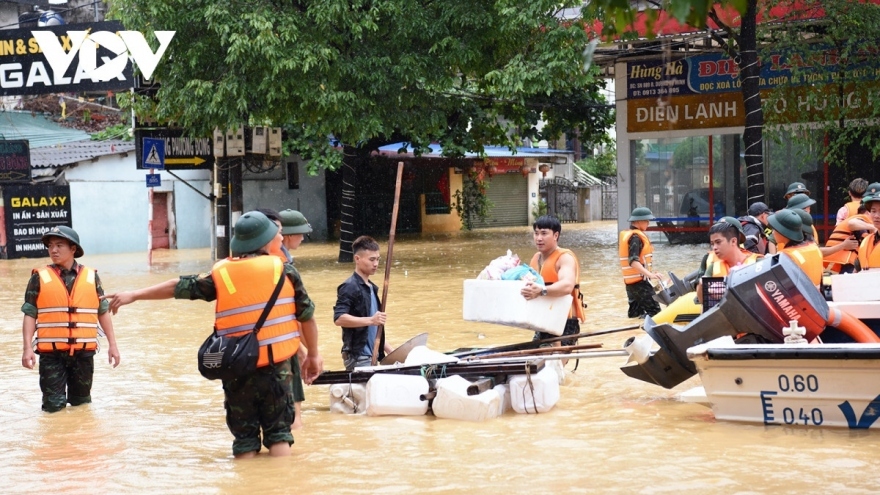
x=388, y=259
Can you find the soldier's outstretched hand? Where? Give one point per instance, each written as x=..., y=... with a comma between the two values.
x=118, y=300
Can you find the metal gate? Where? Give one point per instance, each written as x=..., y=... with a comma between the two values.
x=561, y=196
x=609, y=197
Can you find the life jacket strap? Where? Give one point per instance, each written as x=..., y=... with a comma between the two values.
x=252, y=307
x=65, y=309
x=245, y=328
x=279, y=338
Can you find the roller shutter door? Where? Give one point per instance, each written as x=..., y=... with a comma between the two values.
x=510, y=195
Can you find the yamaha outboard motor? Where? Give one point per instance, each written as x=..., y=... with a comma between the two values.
x=761, y=299
x=677, y=288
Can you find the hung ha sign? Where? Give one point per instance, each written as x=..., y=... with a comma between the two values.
x=76, y=58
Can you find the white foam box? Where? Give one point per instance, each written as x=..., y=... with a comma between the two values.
x=500, y=302
x=856, y=287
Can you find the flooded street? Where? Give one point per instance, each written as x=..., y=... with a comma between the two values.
x=156, y=426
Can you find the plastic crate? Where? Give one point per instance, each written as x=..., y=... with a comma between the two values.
x=713, y=290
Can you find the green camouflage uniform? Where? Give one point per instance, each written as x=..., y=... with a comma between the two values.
x=263, y=399
x=640, y=295
x=63, y=378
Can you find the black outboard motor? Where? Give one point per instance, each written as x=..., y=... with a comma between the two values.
x=761, y=299
x=677, y=288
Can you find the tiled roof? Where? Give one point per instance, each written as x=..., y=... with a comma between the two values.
x=70, y=153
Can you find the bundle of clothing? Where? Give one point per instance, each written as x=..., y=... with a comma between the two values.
x=508, y=267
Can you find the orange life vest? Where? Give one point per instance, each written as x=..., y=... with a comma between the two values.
x=67, y=321
x=550, y=276
x=869, y=257
x=646, y=256
x=852, y=208
x=716, y=267
x=842, y=232
x=809, y=258
x=244, y=286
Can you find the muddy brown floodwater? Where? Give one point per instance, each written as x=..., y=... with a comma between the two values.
x=156, y=426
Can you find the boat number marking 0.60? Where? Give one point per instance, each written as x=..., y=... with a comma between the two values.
x=796, y=383
x=814, y=416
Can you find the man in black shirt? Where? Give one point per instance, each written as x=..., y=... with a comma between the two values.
x=357, y=308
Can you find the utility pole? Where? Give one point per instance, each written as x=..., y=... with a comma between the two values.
x=221, y=207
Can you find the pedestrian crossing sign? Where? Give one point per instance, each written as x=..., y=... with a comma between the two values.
x=154, y=153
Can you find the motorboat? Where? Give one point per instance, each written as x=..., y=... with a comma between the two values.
x=774, y=351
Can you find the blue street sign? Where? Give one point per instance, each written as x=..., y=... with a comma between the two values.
x=154, y=153
x=154, y=180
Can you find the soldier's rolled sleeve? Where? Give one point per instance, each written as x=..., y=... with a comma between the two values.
x=305, y=308
x=30, y=296
x=104, y=305
x=194, y=287
x=635, y=248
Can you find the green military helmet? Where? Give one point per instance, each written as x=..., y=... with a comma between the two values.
x=641, y=213
x=872, y=193
x=733, y=221
x=252, y=231
x=64, y=232
x=806, y=221
x=293, y=222
x=787, y=223
x=800, y=202
x=797, y=188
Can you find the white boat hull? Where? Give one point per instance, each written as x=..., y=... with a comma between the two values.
x=801, y=384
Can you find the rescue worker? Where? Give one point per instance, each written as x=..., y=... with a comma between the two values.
x=755, y=229
x=869, y=255
x=62, y=307
x=637, y=261
x=788, y=230
x=242, y=285
x=293, y=226
x=561, y=271
x=856, y=191
x=357, y=308
x=803, y=202
x=726, y=253
x=795, y=188
x=851, y=231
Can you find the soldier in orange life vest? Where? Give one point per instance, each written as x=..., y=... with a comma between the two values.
x=242, y=285
x=726, y=254
x=63, y=308
x=788, y=230
x=869, y=255
x=561, y=272
x=850, y=232
x=636, y=259
x=856, y=191
x=289, y=243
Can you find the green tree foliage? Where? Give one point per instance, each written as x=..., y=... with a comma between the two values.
x=458, y=72
x=603, y=164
